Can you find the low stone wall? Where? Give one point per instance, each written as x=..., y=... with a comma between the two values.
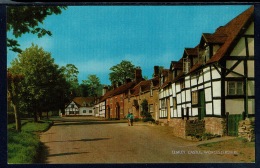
x=178, y=127
x=195, y=127
x=215, y=126
x=246, y=129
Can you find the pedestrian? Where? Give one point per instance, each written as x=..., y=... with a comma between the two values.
x=131, y=119
x=128, y=118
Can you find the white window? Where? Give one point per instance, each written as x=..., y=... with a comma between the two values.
x=235, y=88
x=186, y=65
x=90, y=111
x=84, y=111
x=151, y=108
x=174, y=103
x=72, y=106
x=163, y=105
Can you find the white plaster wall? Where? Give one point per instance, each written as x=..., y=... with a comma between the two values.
x=251, y=88
x=188, y=95
x=251, y=68
x=251, y=106
x=217, y=107
x=240, y=49
x=173, y=90
x=216, y=88
x=251, y=44
x=250, y=30
x=215, y=73
x=187, y=81
x=209, y=108
x=235, y=106
x=206, y=74
x=193, y=81
x=183, y=96
x=208, y=96
x=195, y=111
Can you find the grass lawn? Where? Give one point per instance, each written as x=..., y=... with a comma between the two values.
x=23, y=146
x=244, y=150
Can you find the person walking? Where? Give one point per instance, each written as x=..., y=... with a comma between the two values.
x=131, y=119
x=128, y=118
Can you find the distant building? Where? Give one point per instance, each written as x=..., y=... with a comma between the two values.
x=80, y=106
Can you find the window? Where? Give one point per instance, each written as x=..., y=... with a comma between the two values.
x=235, y=88
x=151, y=108
x=84, y=111
x=90, y=111
x=72, y=106
x=194, y=97
x=163, y=105
x=186, y=65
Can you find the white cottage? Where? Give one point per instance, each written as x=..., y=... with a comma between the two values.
x=80, y=106
x=216, y=85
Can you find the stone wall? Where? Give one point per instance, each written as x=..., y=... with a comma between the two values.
x=178, y=127
x=215, y=126
x=246, y=129
x=195, y=127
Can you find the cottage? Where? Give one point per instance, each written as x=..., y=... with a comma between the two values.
x=145, y=90
x=80, y=106
x=216, y=84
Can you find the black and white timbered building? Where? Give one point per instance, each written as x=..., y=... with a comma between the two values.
x=217, y=79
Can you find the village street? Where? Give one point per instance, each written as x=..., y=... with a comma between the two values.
x=84, y=140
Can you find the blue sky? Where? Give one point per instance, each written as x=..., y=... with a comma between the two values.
x=95, y=38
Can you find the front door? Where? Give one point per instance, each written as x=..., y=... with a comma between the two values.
x=202, y=107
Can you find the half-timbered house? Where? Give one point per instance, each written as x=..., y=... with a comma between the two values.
x=216, y=85
x=80, y=106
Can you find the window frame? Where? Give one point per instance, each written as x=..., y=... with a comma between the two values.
x=235, y=90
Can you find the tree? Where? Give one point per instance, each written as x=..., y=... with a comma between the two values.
x=145, y=111
x=13, y=93
x=70, y=73
x=93, y=83
x=26, y=19
x=43, y=86
x=121, y=72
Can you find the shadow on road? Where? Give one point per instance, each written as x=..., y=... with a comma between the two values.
x=61, y=123
x=68, y=153
x=82, y=140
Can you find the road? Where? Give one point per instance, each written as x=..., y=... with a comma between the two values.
x=84, y=140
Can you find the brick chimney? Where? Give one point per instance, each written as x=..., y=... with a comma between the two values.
x=156, y=71
x=138, y=75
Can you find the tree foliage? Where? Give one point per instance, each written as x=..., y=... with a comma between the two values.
x=93, y=84
x=26, y=19
x=44, y=86
x=121, y=72
x=70, y=72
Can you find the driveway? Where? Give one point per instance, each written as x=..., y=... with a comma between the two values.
x=88, y=140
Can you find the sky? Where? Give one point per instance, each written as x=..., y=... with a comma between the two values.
x=95, y=38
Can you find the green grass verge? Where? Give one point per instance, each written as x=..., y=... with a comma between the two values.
x=23, y=146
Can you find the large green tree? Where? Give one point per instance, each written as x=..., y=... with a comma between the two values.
x=70, y=72
x=44, y=86
x=28, y=19
x=93, y=83
x=122, y=71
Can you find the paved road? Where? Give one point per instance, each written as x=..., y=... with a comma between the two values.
x=78, y=140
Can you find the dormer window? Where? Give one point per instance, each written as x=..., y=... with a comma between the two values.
x=186, y=65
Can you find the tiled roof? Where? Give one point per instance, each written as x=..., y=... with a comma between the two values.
x=232, y=30
x=119, y=90
x=215, y=38
x=145, y=86
x=191, y=51
x=81, y=100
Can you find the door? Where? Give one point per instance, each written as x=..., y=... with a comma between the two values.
x=202, y=107
x=233, y=121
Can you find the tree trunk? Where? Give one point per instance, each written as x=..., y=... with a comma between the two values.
x=17, y=119
x=35, y=116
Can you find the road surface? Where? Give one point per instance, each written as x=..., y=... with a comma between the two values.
x=84, y=140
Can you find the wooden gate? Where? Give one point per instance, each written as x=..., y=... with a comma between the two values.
x=233, y=121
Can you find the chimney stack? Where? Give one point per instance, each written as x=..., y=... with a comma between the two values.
x=104, y=90
x=138, y=75
x=156, y=71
